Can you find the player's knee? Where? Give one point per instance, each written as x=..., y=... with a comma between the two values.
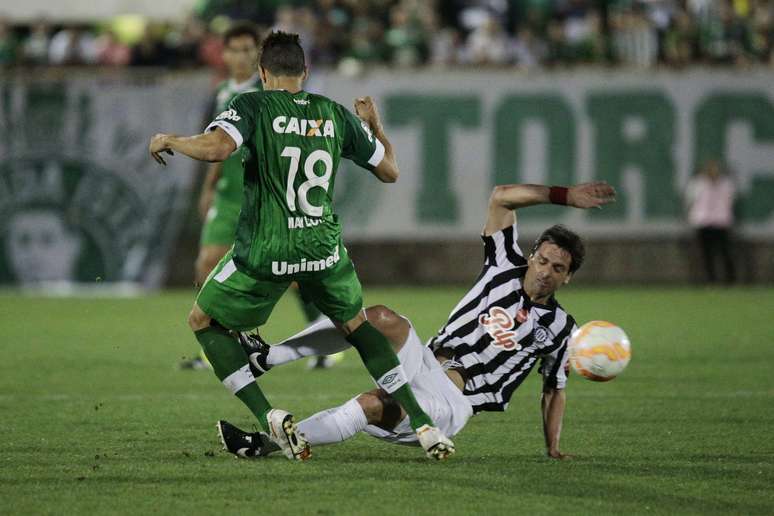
x=372, y=407
x=380, y=315
x=389, y=323
x=381, y=409
x=197, y=319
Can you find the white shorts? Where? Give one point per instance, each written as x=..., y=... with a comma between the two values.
x=435, y=392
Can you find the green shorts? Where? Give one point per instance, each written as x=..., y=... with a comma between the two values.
x=220, y=224
x=241, y=302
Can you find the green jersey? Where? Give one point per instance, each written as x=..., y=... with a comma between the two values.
x=292, y=145
x=229, y=186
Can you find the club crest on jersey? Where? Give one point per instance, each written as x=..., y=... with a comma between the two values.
x=498, y=324
x=302, y=127
x=541, y=334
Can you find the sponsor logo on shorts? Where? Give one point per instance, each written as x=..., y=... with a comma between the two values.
x=283, y=268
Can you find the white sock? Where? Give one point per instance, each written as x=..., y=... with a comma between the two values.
x=318, y=339
x=334, y=425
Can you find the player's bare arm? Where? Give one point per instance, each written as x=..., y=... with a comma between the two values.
x=211, y=146
x=507, y=198
x=552, y=405
x=387, y=171
x=208, y=188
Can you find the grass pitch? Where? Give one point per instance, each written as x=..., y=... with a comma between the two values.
x=96, y=420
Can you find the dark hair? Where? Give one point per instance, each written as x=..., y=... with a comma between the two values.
x=281, y=54
x=241, y=29
x=562, y=237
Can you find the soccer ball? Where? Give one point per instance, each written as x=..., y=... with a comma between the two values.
x=599, y=351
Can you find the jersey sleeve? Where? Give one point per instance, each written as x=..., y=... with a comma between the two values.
x=501, y=249
x=360, y=145
x=238, y=120
x=554, y=366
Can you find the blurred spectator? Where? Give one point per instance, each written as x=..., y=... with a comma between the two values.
x=73, y=45
x=110, y=51
x=525, y=34
x=582, y=31
x=404, y=38
x=527, y=51
x=447, y=47
x=35, y=47
x=635, y=42
x=680, y=40
x=8, y=45
x=151, y=50
x=710, y=201
x=488, y=44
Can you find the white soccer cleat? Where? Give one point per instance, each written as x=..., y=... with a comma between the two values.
x=436, y=445
x=284, y=433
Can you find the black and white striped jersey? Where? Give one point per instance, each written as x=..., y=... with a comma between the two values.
x=498, y=334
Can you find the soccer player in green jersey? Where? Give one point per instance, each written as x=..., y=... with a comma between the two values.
x=221, y=197
x=292, y=142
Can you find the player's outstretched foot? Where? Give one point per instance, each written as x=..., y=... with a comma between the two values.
x=284, y=433
x=257, y=352
x=245, y=444
x=436, y=445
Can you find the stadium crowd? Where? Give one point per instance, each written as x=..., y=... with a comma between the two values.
x=525, y=34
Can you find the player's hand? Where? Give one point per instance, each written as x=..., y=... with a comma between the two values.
x=556, y=454
x=365, y=108
x=158, y=144
x=590, y=195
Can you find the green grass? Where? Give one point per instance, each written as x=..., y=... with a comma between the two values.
x=95, y=419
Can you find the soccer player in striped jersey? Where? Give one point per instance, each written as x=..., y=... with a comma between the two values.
x=505, y=325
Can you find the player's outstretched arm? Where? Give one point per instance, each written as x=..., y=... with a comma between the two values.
x=211, y=146
x=387, y=171
x=552, y=406
x=507, y=198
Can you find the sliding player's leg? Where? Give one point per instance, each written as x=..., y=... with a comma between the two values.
x=339, y=296
x=376, y=412
x=228, y=302
x=322, y=338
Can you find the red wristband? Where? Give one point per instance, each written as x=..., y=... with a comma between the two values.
x=558, y=195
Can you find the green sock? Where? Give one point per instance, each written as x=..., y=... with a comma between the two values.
x=230, y=363
x=379, y=358
x=310, y=311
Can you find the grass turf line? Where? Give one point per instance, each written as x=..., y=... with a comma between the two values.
x=96, y=419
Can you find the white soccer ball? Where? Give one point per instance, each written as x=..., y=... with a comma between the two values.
x=599, y=351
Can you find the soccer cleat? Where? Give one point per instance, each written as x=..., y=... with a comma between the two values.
x=257, y=352
x=244, y=444
x=436, y=445
x=284, y=433
x=324, y=361
x=195, y=364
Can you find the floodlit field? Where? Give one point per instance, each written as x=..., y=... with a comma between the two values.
x=95, y=419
